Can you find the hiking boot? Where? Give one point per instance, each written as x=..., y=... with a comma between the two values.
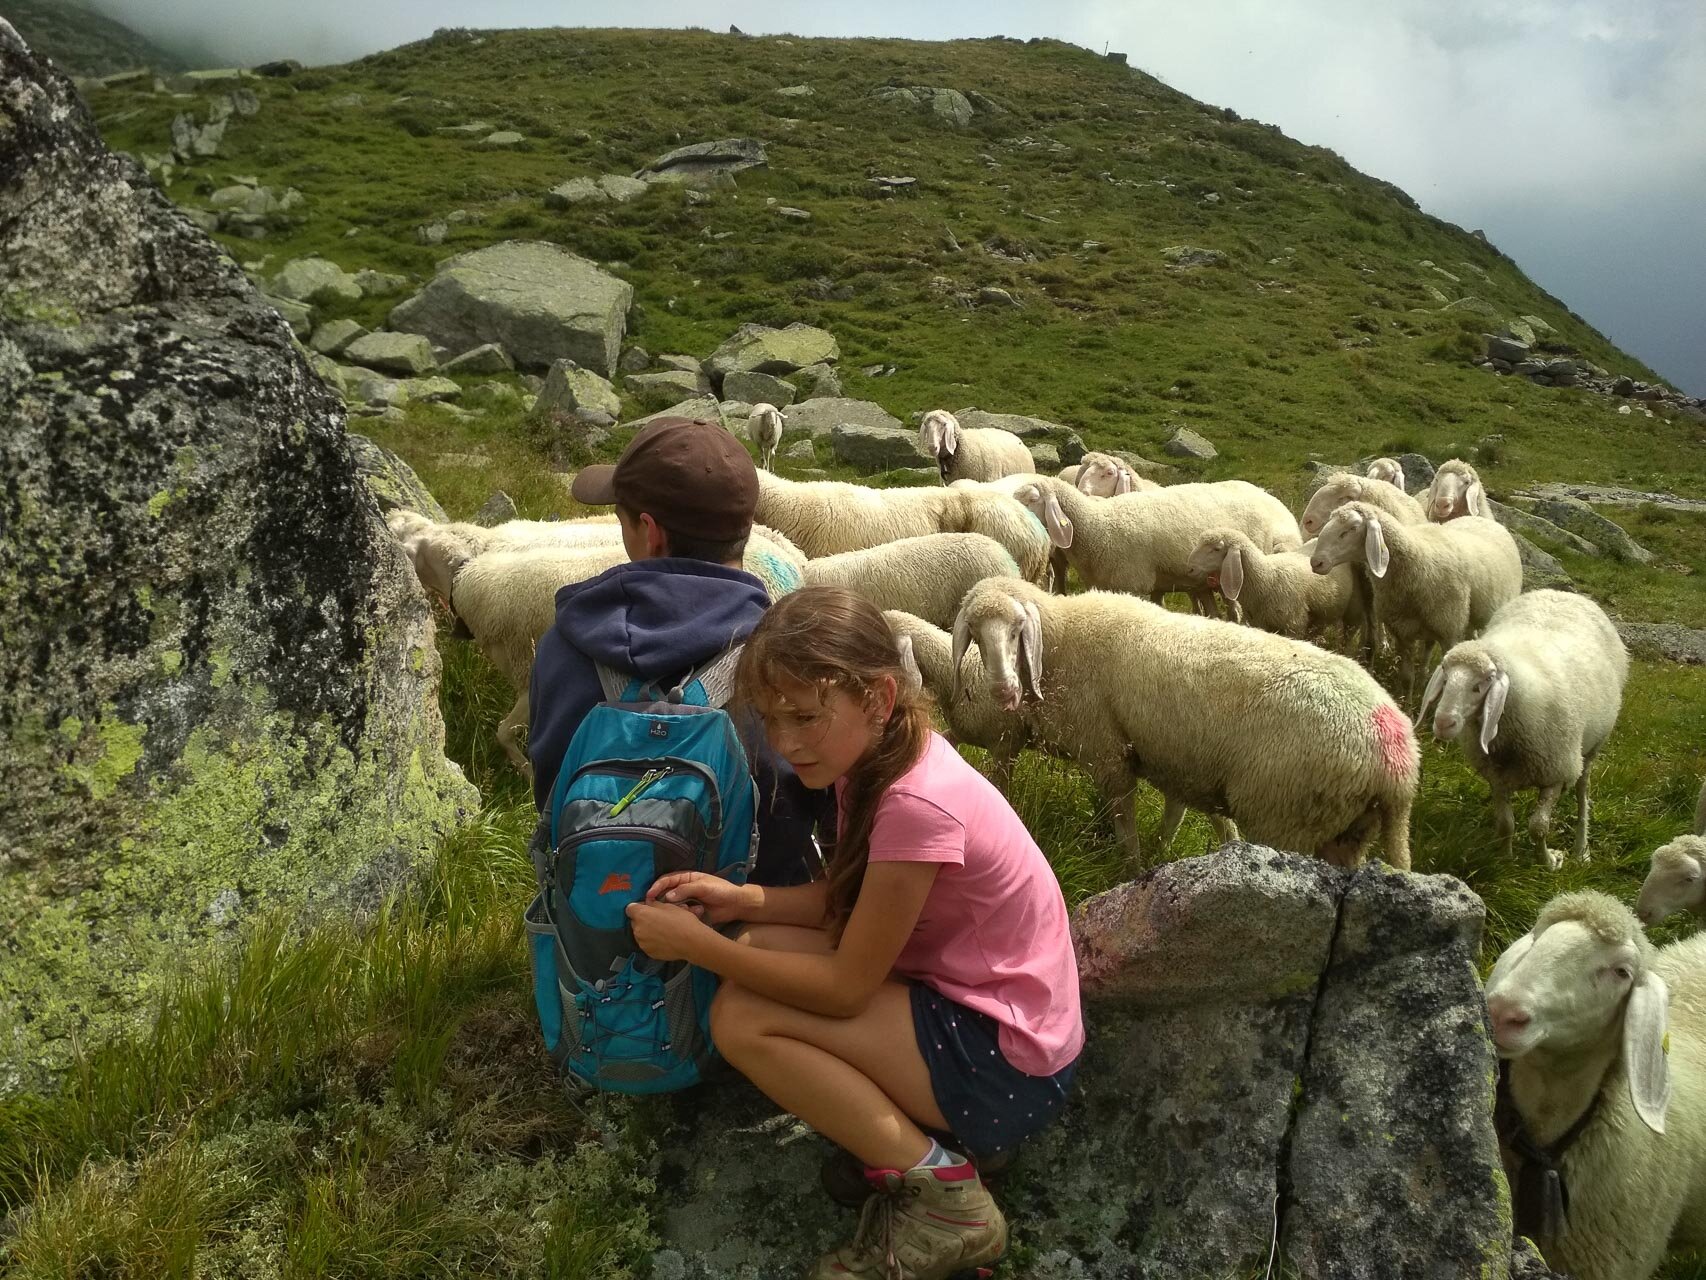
x=844, y=1181
x=925, y=1224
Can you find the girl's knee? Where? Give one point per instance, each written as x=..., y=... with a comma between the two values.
x=732, y=1015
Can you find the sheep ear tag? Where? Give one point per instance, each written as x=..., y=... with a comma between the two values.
x=1232, y=574
x=1374, y=548
x=1645, y=1042
x=1493, y=708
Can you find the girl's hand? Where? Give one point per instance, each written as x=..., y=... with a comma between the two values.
x=711, y=898
x=666, y=932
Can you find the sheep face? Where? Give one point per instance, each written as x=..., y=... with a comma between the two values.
x=1468, y=686
x=939, y=434
x=1388, y=470
x=1328, y=498
x=1209, y=558
x=1676, y=881
x=1350, y=536
x=1456, y=491
x=1567, y=985
x=1103, y=476
x=1009, y=642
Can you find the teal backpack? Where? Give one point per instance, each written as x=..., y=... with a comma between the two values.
x=653, y=782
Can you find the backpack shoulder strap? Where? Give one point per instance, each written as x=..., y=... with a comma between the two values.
x=717, y=677
x=614, y=683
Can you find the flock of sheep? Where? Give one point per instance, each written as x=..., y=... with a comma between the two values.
x=1268, y=721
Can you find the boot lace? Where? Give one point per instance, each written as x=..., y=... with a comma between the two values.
x=879, y=1222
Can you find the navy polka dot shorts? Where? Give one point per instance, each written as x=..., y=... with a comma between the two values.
x=990, y=1105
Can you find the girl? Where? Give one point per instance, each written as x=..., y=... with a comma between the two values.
x=928, y=982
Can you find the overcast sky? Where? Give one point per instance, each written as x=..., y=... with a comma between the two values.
x=1572, y=131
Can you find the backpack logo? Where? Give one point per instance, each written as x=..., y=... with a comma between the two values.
x=659, y=729
x=616, y=882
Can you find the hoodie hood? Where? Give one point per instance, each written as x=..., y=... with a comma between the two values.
x=659, y=618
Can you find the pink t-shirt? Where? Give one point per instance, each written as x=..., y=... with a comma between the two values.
x=993, y=934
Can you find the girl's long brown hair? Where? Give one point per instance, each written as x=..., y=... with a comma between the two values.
x=831, y=639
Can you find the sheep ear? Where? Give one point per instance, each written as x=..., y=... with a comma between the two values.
x=1476, y=501
x=1031, y=651
x=950, y=427
x=1493, y=708
x=962, y=642
x=1374, y=548
x=1436, y=686
x=912, y=679
x=1232, y=573
x=1126, y=482
x=1054, y=519
x=1508, y=960
x=1646, y=1049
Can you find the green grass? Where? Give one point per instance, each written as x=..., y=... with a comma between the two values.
x=374, y=1102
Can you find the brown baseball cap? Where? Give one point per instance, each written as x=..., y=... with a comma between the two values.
x=689, y=474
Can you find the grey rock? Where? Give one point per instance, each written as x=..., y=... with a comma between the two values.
x=205, y=219
x=686, y=364
x=620, y=188
x=379, y=284
x=949, y=106
x=1664, y=641
x=391, y=481
x=760, y=349
x=706, y=162
x=788, y=211
x=369, y=386
x=496, y=509
x=569, y=388
x=634, y=360
x=816, y=380
x=755, y=388
x=1145, y=467
x=492, y=395
x=1418, y=472
x=487, y=358
x=1030, y=430
x=1602, y=495
x=1522, y=522
x=315, y=280
x=331, y=338
x=795, y=91
x=431, y=233
x=1045, y=458
x=298, y=315
x=503, y=138
x=698, y=407
x=330, y=372
x=211, y=641
x=871, y=449
x=800, y=451
x=536, y=300
x=431, y=390
x=1183, y=257
x=1185, y=443
x=817, y=418
x=405, y=353
x=1520, y=331
x=666, y=386
x=991, y=295
x=1503, y=348
x=1539, y=568
x=279, y=68
x=1576, y=516
x=574, y=191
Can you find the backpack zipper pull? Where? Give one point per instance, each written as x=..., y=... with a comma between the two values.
x=646, y=779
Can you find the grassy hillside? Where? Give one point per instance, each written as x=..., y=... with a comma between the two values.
x=413, y=1131
x=82, y=42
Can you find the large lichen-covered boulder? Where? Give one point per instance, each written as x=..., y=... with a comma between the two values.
x=821, y=416
x=217, y=676
x=537, y=301
x=1285, y=1061
x=758, y=348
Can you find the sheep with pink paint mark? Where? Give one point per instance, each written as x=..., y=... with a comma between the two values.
x=1298, y=746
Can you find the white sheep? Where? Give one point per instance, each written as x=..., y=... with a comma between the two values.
x=1433, y=583
x=1010, y=485
x=1388, y=469
x=1277, y=591
x=1676, y=880
x=968, y=705
x=1345, y=487
x=764, y=425
x=437, y=549
x=1456, y=491
x=926, y=576
x=1300, y=747
x=1101, y=475
x=1531, y=701
x=971, y=453
x=1604, y=1039
x=1142, y=542
x=826, y=517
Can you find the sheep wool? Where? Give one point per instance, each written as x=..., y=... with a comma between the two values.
x=971, y=453
x=926, y=576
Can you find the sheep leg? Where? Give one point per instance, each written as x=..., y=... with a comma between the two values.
x=1582, y=811
x=1202, y=602
x=1058, y=568
x=1504, y=820
x=1001, y=770
x=1540, y=826
x=1119, y=793
x=1224, y=827
x=1395, y=835
x=509, y=732
x=1172, y=813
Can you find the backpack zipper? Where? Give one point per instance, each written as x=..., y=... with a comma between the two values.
x=646, y=779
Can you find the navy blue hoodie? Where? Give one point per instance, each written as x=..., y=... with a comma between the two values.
x=658, y=619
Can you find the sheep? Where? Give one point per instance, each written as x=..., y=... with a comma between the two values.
x=1531, y=702
x=1142, y=542
x=1456, y=491
x=971, y=453
x=505, y=600
x=926, y=576
x=1300, y=747
x=1278, y=591
x=1676, y=881
x=969, y=707
x=1101, y=475
x=764, y=424
x=1010, y=485
x=1387, y=469
x=437, y=549
x=1433, y=583
x=1602, y=1033
x=825, y=517
x=1344, y=487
